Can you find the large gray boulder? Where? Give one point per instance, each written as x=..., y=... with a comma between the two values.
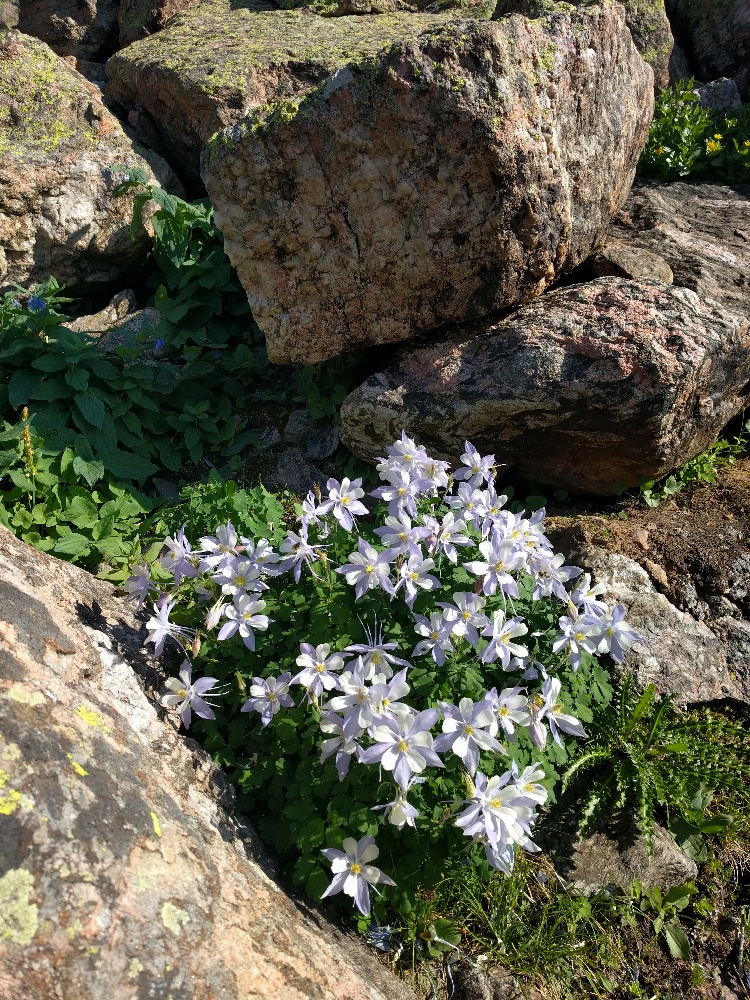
x=58, y=215
x=715, y=34
x=124, y=872
x=442, y=180
x=594, y=387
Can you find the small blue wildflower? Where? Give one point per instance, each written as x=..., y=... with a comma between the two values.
x=159, y=345
x=36, y=304
x=16, y=304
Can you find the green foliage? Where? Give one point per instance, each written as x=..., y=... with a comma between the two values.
x=685, y=139
x=704, y=468
x=643, y=754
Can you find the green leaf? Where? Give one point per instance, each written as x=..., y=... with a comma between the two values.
x=677, y=942
x=126, y=465
x=90, y=406
x=72, y=545
x=22, y=384
x=91, y=471
x=50, y=363
x=81, y=511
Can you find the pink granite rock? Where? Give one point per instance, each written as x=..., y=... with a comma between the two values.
x=594, y=387
x=439, y=181
x=124, y=874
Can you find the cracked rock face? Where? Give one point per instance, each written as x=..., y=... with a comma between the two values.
x=593, y=388
x=446, y=178
x=57, y=144
x=124, y=873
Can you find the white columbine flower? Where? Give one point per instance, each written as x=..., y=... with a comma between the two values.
x=268, y=695
x=476, y=469
x=464, y=618
x=404, y=746
x=161, y=627
x=502, y=632
x=501, y=558
x=343, y=742
x=352, y=872
x=437, y=637
x=367, y=569
x=344, y=501
x=414, y=575
x=244, y=616
x=510, y=709
x=464, y=733
x=319, y=668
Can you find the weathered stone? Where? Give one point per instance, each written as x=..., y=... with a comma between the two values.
x=716, y=37
x=647, y=20
x=216, y=61
x=719, y=95
x=593, y=387
x=8, y=13
x=622, y=260
x=123, y=871
x=140, y=18
x=454, y=175
x=619, y=855
x=295, y=473
x=702, y=231
x=57, y=144
x=299, y=427
x=679, y=655
x=121, y=305
x=83, y=28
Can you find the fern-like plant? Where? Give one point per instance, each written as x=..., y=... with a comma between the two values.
x=645, y=753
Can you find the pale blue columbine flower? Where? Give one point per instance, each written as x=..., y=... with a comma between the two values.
x=496, y=810
x=385, y=698
x=377, y=656
x=403, y=454
x=355, y=698
x=414, y=575
x=368, y=569
x=319, y=668
x=352, y=872
x=401, y=491
x=217, y=550
x=162, y=628
x=615, y=634
x=399, y=535
x=296, y=552
x=551, y=577
x=435, y=472
x=244, y=616
x=404, y=746
x=528, y=784
x=578, y=637
x=449, y=534
x=464, y=733
x=344, y=501
x=501, y=633
x=510, y=710
x=470, y=503
x=493, y=505
x=399, y=812
x=547, y=707
x=476, y=468
x=268, y=695
x=437, y=637
x=501, y=558
x=311, y=512
x=464, y=617
x=139, y=584
x=259, y=552
x=179, y=559
x=187, y=696
x=237, y=576
x=586, y=597
x=343, y=741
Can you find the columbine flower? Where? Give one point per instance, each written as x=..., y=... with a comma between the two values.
x=352, y=872
x=510, y=710
x=587, y=597
x=355, y=698
x=493, y=812
x=244, y=616
x=404, y=746
x=218, y=549
x=343, y=501
x=476, y=469
x=528, y=785
x=493, y=505
x=311, y=512
x=449, y=535
x=161, y=627
x=547, y=706
x=261, y=553
x=343, y=742
x=414, y=574
x=139, y=585
x=295, y=551
x=437, y=637
x=178, y=559
x=463, y=731
x=470, y=502
x=385, y=699
x=551, y=577
x=403, y=454
x=465, y=617
x=615, y=634
x=501, y=558
x=186, y=695
x=319, y=668
x=376, y=654
x=399, y=812
x=268, y=695
x=578, y=636
x=237, y=576
x=399, y=534
x=501, y=646
x=368, y=569
x=401, y=491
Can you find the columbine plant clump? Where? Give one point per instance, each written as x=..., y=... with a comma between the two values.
x=408, y=673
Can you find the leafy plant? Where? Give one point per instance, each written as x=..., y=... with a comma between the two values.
x=666, y=908
x=704, y=468
x=686, y=139
x=691, y=827
x=644, y=754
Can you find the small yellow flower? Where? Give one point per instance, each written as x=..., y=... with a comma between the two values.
x=660, y=150
x=718, y=135
x=747, y=143
x=713, y=147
